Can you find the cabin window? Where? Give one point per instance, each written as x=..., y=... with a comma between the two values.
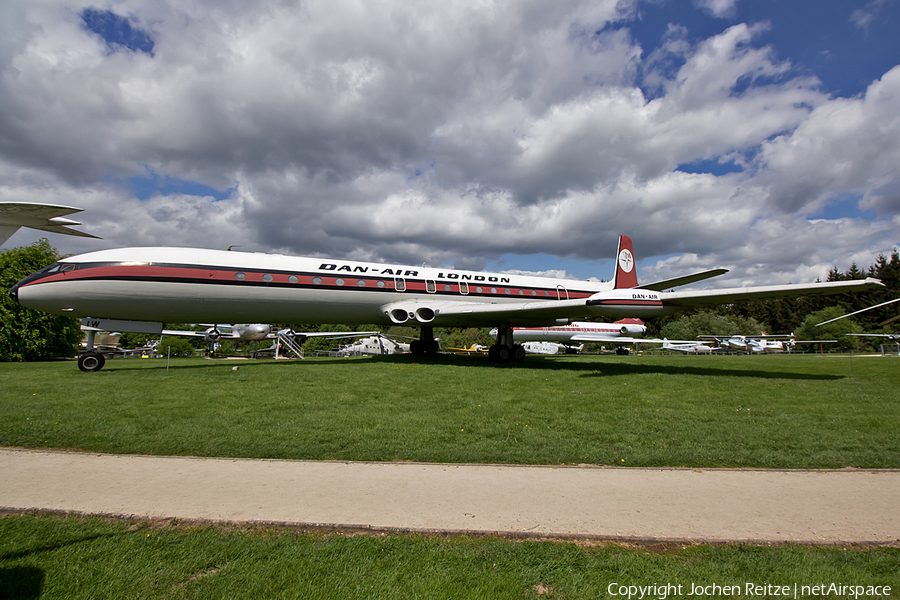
x=267, y=278
x=339, y=281
x=448, y=288
x=479, y=290
x=493, y=290
x=508, y=291
x=380, y=283
x=361, y=283
x=399, y=284
x=430, y=286
x=293, y=279
x=240, y=276
x=317, y=280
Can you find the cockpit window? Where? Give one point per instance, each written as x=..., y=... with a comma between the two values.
x=67, y=267
x=52, y=268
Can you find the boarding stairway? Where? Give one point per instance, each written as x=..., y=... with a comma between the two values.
x=289, y=342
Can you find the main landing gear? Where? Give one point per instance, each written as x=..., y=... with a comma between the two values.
x=505, y=350
x=426, y=345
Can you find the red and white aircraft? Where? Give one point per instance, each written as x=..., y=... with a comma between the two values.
x=548, y=340
x=191, y=285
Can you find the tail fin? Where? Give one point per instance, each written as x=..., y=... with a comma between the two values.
x=626, y=270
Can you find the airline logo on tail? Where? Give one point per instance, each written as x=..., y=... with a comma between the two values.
x=626, y=274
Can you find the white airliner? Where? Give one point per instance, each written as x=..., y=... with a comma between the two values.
x=46, y=217
x=190, y=285
x=550, y=340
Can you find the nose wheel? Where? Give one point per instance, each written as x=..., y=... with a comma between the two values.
x=91, y=361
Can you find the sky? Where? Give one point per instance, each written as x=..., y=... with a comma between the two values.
x=760, y=136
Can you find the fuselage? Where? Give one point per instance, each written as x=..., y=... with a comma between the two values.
x=564, y=333
x=196, y=285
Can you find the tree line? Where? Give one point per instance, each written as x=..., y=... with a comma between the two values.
x=800, y=315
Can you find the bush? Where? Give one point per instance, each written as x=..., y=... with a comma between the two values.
x=27, y=334
x=179, y=346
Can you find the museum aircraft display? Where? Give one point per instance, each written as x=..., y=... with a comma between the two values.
x=550, y=340
x=45, y=217
x=686, y=347
x=375, y=345
x=190, y=285
x=763, y=344
x=214, y=333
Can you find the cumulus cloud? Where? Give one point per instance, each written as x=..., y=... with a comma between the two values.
x=450, y=133
x=718, y=8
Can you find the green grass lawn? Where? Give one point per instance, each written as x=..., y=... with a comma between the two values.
x=73, y=558
x=799, y=411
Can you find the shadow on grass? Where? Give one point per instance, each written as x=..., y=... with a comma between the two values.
x=56, y=546
x=590, y=366
x=21, y=582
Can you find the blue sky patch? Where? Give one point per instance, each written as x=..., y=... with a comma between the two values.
x=117, y=31
x=844, y=206
x=712, y=166
x=146, y=187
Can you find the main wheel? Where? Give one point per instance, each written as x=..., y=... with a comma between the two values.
x=91, y=361
x=518, y=353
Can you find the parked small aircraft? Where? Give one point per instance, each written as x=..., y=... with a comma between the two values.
x=45, y=217
x=253, y=332
x=188, y=285
x=473, y=349
x=763, y=344
x=686, y=347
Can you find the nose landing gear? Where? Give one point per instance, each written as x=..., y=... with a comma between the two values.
x=91, y=361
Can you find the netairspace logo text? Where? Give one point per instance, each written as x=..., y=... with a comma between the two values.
x=662, y=591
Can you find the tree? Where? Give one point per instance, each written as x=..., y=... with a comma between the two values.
x=837, y=330
x=175, y=346
x=27, y=334
x=707, y=322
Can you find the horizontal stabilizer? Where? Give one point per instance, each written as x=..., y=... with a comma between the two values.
x=659, y=286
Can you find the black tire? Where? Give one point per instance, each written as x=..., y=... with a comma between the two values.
x=91, y=361
x=518, y=353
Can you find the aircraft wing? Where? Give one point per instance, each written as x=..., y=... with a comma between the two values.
x=612, y=303
x=46, y=217
x=769, y=292
x=183, y=333
x=630, y=340
x=659, y=286
x=487, y=314
x=890, y=335
x=338, y=335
